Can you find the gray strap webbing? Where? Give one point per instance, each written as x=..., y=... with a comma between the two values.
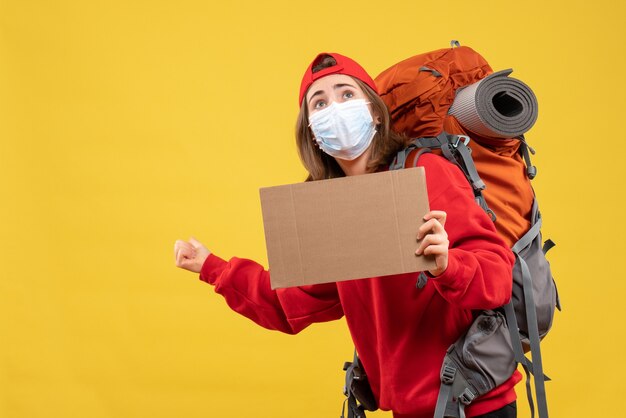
x=516, y=342
x=536, y=366
x=451, y=146
x=400, y=159
x=480, y=199
x=420, y=153
x=452, y=410
x=469, y=168
x=531, y=234
x=447, y=151
x=445, y=395
x=427, y=142
x=529, y=392
x=468, y=162
x=533, y=336
x=531, y=170
x=448, y=406
x=516, y=339
x=352, y=407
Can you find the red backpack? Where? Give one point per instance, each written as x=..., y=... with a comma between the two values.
x=451, y=102
x=419, y=92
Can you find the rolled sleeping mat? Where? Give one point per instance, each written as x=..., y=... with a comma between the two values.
x=496, y=106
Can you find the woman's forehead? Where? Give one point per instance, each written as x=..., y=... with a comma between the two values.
x=329, y=81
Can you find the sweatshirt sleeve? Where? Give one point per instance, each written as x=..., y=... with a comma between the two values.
x=480, y=263
x=245, y=285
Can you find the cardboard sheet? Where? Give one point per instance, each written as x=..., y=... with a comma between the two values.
x=345, y=228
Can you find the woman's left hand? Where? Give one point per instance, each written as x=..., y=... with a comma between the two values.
x=433, y=240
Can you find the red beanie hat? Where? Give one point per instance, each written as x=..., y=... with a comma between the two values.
x=344, y=65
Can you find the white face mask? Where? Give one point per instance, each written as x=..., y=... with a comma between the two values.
x=343, y=130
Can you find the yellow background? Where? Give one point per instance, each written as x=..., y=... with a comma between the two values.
x=125, y=125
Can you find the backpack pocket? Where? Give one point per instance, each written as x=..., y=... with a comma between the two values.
x=484, y=358
x=532, y=259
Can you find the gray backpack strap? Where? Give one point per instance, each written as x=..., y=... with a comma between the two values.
x=531, y=170
x=426, y=143
x=532, y=233
x=519, y=353
x=447, y=405
x=468, y=162
x=429, y=142
x=454, y=148
x=527, y=247
x=533, y=336
x=469, y=169
x=400, y=159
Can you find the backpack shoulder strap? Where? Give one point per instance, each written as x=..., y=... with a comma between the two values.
x=456, y=150
x=536, y=367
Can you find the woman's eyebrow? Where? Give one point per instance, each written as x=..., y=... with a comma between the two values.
x=338, y=86
x=315, y=94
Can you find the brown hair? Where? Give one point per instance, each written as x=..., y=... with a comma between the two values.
x=385, y=145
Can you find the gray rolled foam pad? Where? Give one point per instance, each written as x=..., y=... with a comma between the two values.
x=496, y=106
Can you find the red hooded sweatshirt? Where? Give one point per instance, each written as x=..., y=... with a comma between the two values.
x=400, y=332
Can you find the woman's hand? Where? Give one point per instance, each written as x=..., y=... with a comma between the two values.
x=434, y=240
x=190, y=255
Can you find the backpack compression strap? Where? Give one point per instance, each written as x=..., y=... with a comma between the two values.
x=531, y=170
x=446, y=405
x=454, y=148
x=536, y=366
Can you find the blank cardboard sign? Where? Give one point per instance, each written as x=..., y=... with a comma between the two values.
x=345, y=228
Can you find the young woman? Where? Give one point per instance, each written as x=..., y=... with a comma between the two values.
x=400, y=332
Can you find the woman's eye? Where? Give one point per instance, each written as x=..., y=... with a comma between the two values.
x=320, y=104
x=348, y=95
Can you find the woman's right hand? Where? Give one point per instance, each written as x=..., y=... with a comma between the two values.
x=190, y=255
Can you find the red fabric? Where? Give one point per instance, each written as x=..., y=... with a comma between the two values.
x=400, y=332
x=344, y=65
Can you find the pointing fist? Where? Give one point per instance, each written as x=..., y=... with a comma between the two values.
x=190, y=255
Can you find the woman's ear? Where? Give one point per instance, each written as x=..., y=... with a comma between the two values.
x=376, y=116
